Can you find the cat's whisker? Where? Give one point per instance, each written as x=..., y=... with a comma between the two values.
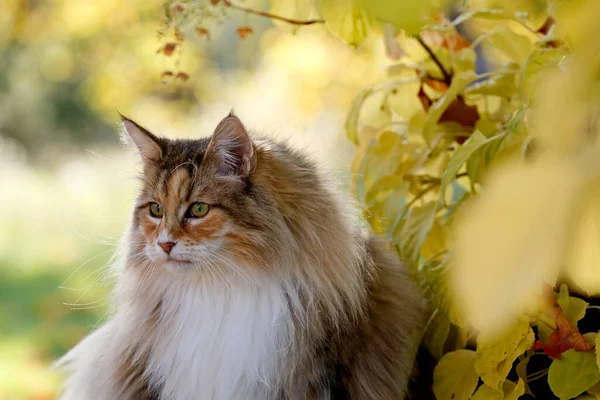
x=84, y=264
x=92, y=283
x=234, y=267
x=86, y=304
x=92, y=307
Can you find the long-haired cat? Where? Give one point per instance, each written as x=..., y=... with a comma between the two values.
x=246, y=276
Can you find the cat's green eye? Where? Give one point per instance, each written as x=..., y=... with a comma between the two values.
x=197, y=210
x=156, y=210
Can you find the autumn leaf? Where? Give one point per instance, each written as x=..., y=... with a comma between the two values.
x=565, y=336
x=435, y=84
x=452, y=40
x=460, y=112
x=244, y=31
x=178, y=9
x=168, y=48
x=182, y=76
x=166, y=74
x=457, y=111
x=202, y=32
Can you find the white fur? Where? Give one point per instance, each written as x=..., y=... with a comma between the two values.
x=209, y=343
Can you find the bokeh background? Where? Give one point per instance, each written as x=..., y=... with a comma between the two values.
x=66, y=184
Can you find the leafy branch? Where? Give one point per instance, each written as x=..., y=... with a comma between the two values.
x=436, y=60
x=272, y=16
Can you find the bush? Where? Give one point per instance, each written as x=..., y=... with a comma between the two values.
x=478, y=158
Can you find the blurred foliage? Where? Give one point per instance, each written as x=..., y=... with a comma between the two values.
x=477, y=156
x=475, y=127
x=66, y=67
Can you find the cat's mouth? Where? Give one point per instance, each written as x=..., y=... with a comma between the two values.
x=178, y=260
x=177, y=264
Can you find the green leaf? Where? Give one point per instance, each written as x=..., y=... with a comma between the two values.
x=463, y=60
x=415, y=230
x=403, y=99
x=538, y=64
x=354, y=114
x=437, y=333
x=435, y=276
x=521, y=369
x=573, y=308
x=497, y=352
x=572, y=374
x=382, y=185
x=347, y=19
x=408, y=15
x=598, y=351
x=500, y=83
x=515, y=46
x=485, y=13
x=510, y=391
x=454, y=377
x=462, y=155
x=438, y=107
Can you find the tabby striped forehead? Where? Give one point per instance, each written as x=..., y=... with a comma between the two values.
x=180, y=175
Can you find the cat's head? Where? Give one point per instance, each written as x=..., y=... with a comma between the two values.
x=198, y=205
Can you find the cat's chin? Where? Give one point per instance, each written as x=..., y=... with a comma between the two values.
x=177, y=265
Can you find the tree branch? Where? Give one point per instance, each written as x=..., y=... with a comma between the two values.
x=447, y=76
x=273, y=16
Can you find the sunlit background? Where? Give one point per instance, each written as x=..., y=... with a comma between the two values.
x=66, y=185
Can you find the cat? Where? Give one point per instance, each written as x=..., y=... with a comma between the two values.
x=245, y=275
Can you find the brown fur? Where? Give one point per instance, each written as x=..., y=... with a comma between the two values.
x=357, y=314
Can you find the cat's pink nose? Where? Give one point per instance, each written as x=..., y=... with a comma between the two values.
x=167, y=246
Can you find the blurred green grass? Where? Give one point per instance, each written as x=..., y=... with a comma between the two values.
x=56, y=242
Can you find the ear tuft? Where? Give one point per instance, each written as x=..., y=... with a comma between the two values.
x=233, y=149
x=147, y=143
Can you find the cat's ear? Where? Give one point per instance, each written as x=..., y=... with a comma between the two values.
x=146, y=142
x=232, y=149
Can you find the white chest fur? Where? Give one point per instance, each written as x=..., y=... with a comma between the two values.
x=214, y=342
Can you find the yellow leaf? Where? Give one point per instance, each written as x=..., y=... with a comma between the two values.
x=439, y=106
x=598, y=351
x=463, y=60
x=497, y=352
x=437, y=333
x=354, y=114
x=403, y=99
x=454, y=377
x=507, y=244
x=501, y=83
x=436, y=242
x=415, y=230
x=347, y=19
x=583, y=259
x=408, y=15
x=538, y=64
x=515, y=46
x=435, y=274
x=573, y=308
x=510, y=391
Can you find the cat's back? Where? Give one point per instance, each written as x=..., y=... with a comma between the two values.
x=379, y=354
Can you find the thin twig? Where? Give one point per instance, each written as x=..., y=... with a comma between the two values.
x=447, y=76
x=273, y=16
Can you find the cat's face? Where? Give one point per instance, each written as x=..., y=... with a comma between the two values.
x=196, y=208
